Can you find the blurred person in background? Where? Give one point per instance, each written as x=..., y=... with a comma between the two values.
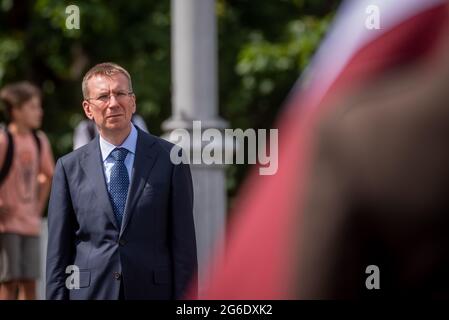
x=26, y=163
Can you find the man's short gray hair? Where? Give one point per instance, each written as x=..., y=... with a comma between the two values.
x=104, y=69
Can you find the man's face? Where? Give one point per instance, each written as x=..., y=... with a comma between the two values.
x=29, y=114
x=109, y=104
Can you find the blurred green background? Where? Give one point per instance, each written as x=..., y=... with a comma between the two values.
x=263, y=46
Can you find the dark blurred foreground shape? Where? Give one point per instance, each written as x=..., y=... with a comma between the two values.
x=363, y=171
x=379, y=189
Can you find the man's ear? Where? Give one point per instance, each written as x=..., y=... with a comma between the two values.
x=87, y=110
x=134, y=101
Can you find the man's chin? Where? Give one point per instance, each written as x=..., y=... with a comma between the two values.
x=116, y=125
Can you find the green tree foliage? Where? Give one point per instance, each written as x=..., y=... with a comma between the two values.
x=263, y=47
x=268, y=44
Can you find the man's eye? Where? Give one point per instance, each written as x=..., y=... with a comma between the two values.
x=121, y=94
x=103, y=97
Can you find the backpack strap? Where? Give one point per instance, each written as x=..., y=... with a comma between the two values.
x=8, y=157
x=10, y=153
x=38, y=142
x=39, y=149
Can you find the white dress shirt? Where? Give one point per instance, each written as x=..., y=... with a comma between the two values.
x=108, y=161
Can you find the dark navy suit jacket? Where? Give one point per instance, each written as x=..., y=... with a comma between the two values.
x=153, y=255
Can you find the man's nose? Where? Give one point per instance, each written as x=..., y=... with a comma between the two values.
x=113, y=100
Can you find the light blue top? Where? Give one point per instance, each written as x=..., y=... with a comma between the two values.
x=106, y=149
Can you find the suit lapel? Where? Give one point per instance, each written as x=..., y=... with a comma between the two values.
x=143, y=163
x=92, y=165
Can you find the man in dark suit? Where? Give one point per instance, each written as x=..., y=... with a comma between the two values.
x=120, y=216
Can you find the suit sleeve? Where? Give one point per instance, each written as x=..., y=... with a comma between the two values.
x=61, y=235
x=183, y=241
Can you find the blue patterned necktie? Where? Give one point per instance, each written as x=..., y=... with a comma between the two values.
x=119, y=183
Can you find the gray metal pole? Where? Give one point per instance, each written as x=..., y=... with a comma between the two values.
x=194, y=67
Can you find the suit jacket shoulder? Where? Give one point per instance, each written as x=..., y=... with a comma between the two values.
x=163, y=147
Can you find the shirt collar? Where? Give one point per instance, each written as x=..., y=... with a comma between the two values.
x=129, y=144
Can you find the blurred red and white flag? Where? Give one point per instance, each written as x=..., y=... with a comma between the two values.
x=259, y=260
